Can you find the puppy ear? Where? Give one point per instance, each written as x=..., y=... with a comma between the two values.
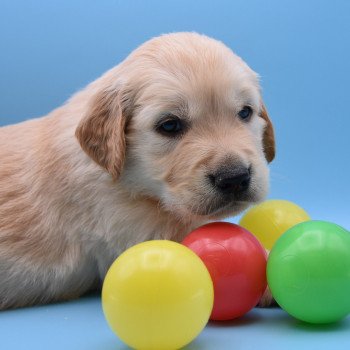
x=268, y=137
x=101, y=133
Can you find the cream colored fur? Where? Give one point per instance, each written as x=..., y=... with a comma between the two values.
x=92, y=178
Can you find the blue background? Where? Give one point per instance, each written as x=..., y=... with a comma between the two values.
x=301, y=49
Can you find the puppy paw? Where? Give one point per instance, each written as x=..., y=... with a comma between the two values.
x=267, y=299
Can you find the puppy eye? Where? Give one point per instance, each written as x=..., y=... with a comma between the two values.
x=245, y=113
x=170, y=127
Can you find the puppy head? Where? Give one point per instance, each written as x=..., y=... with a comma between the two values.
x=182, y=121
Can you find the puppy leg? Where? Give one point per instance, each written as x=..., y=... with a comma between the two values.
x=26, y=281
x=267, y=299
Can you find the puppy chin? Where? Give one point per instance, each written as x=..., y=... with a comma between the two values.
x=223, y=211
x=210, y=208
x=228, y=211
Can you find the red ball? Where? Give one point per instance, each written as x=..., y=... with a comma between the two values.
x=237, y=264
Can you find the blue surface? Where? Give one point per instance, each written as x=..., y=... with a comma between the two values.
x=301, y=49
x=80, y=325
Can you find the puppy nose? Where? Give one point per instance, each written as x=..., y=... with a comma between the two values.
x=231, y=181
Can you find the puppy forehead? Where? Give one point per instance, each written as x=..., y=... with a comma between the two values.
x=203, y=94
x=221, y=92
x=189, y=71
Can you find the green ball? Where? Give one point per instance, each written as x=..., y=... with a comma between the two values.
x=308, y=272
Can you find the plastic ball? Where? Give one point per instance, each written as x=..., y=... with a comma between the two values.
x=157, y=295
x=309, y=272
x=237, y=264
x=270, y=219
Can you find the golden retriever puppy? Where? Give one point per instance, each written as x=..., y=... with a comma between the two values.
x=173, y=137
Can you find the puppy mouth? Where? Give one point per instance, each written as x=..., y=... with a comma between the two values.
x=223, y=206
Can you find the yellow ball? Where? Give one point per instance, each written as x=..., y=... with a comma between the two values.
x=157, y=295
x=270, y=219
